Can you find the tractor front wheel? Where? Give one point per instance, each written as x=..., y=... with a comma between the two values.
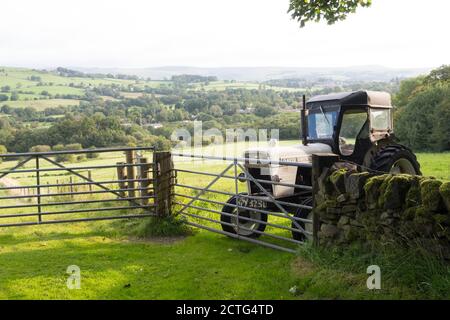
x=396, y=159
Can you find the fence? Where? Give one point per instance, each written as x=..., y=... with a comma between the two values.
x=251, y=199
x=235, y=198
x=40, y=189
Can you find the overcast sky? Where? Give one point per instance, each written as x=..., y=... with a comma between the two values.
x=218, y=33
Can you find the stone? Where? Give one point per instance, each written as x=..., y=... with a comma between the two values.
x=334, y=210
x=444, y=190
x=356, y=223
x=324, y=184
x=337, y=178
x=347, y=166
x=332, y=219
x=431, y=197
x=343, y=221
x=372, y=190
x=342, y=198
x=329, y=230
x=413, y=198
x=385, y=215
x=408, y=214
x=354, y=184
x=382, y=191
x=349, y=210
x=396, y=191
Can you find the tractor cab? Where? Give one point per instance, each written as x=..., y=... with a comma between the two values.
x=351, y=123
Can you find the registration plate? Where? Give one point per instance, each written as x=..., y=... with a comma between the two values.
x=251, y=203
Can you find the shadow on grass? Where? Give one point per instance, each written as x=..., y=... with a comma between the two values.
x=201, y=267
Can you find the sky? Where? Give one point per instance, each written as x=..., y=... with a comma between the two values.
x=217, y=33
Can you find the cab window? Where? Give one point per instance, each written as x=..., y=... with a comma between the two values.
x=352, y=124
x=380, y=119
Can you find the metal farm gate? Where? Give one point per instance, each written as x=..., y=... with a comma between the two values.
x=41, y=188
x=205, y=187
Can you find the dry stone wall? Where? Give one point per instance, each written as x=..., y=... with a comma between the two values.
x=362, y=207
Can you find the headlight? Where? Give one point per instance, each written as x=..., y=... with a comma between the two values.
x=241, y=177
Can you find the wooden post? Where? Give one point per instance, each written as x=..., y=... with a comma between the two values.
x=145, y=167
x=90, y=178
x=319, y=163
x=163, y=183
x=71, y=186
x=121, y=176
x=131, y=173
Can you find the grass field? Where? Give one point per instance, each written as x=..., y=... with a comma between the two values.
x=224, y=85
x=116, y=265
x=40, y=105
x=18, y=79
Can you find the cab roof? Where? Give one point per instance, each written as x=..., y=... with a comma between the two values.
x=362, y=97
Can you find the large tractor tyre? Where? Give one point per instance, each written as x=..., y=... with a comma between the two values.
x=303, y=213
x=396, y=159
x=240, y=226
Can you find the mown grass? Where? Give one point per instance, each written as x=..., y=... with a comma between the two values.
x=148, y=259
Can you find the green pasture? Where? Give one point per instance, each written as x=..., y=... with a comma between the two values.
x=43, y=103
x=15, y=76
x=116, y=265
x=224, y=85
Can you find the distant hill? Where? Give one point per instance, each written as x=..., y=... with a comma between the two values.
x=355, y=73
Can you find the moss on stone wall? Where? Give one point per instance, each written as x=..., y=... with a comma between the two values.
x=431, y=197
x=444, y=190
x=400, y=209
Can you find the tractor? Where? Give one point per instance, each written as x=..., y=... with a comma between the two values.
x=356, y=126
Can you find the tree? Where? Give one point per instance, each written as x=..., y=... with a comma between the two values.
x=3, y=97
x=41, y=148
x=329, y=10
x=423, y=124
x=14, y=96
x=265, y=111
x=440, y=75
x=2, y=151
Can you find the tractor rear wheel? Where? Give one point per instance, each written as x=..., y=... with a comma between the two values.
x=396, y=159
x=303, y=213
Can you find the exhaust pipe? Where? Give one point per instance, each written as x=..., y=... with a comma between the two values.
x=304, y=122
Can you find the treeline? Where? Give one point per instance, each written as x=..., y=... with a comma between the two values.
x=64, y=72
x=328, y=85
x=87, y=131
x=422, y=117
x=192, y=78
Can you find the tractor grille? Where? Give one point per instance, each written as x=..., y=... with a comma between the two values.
x=256, y=173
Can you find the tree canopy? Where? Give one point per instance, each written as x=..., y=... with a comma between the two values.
x=329, y=10
x=423, y=116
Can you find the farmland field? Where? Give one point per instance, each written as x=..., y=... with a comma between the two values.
x=40, y=105
x=116, y=265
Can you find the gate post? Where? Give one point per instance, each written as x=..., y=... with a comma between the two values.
x=145, y=181
x=131, y=173
x=163, y=183
x=120, y=178
x=319, y=163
